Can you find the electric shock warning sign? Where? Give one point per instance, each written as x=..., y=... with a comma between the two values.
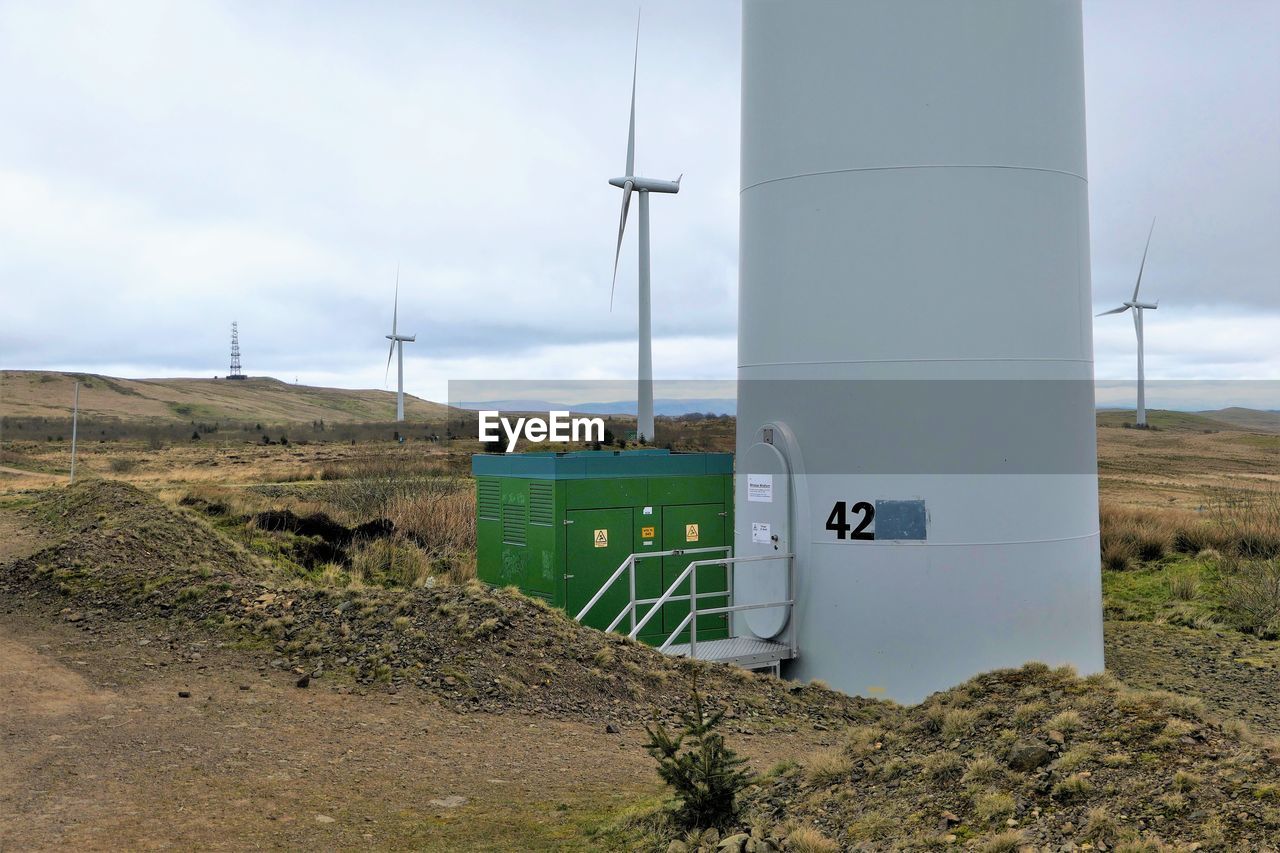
x=691, y=533
x=602, y=538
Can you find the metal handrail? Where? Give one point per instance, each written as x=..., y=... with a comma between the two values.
x=631, y=561
x=724, y=561
x=712, y=611
x=693, y=597
x=605, y=587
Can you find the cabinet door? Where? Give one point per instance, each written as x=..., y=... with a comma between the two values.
x=598, y=541
x=648, y=537
x=694, y=526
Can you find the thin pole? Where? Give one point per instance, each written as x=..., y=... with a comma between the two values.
x=644, y=401
x=75, y=421
x=632, y=558
x=693, y=614
x=1141, y=413
x=399, y=380
x=728, y=585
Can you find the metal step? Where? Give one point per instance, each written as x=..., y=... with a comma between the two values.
x=746, y=652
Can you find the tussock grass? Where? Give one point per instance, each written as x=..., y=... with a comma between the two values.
x=981, y=769
x=805, y=839
x=872, y=826
x=1184, y=782
x=827, y=766
x=1074, y=787
x=441, y=519
x=992, y=806
x=943, y=766
x=957, y=722
x=389, y=562
x=1065, y=722
x=1184, y=585
x=1076, y=757
x=1027, y=713
x=1004, y=842
x=1101, y=826
x=1234, y=522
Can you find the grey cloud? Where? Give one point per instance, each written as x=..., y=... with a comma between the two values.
x=171, y=167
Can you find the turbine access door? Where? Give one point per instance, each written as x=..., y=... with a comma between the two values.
x=762, y=518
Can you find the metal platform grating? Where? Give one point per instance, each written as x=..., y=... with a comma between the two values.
x=747, y=652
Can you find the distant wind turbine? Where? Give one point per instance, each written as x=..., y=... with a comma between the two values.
x=1137, y=308
x=630, y=183
x=398, y=339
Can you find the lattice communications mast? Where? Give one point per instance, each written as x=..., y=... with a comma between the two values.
x=235, y=353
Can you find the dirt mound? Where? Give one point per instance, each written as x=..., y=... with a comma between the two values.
x=1039, y=757
x=120, y=554
x=116, y=545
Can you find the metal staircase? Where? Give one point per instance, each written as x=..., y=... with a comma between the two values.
x=745, y=651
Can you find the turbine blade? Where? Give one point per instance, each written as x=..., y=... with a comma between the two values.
x=622, y=227
x=395, y=306
x=1113, y=311
x=1144, y=259
x=387, y=373
x=631, y=130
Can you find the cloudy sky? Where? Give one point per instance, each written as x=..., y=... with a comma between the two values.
x=168, y=167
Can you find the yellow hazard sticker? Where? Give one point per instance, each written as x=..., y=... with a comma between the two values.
x=647, y=532
x=691, y=533
x=602, y=538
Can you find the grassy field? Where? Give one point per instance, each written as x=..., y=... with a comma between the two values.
x=211, y=567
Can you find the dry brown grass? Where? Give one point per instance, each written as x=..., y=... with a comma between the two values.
x=806, y=839
x=442, y=519
x=1132, y=533
x=1004, y=842
x=1248, y=522
x=828, y=766
x=1234, y=522
x=388, y=562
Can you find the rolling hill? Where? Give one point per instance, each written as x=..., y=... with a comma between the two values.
x=1219, y=420
x=48, y=394
x=1250, y=420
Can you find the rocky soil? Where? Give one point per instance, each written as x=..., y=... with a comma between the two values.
x=119, y=555
x=1237, y=675
x=1025, y=758
x=1039, y=758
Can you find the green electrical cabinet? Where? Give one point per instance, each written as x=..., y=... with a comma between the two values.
x=557, y=525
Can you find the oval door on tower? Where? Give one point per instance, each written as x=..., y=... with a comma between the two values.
x=762, y=512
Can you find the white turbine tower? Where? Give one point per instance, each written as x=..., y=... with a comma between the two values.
x=630, y=183
x=1138, y=307
x=398, y=339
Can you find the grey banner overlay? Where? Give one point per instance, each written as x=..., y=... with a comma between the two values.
x=891, y=427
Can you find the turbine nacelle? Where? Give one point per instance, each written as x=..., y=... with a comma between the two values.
x=647, y=185
x=406, y=338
